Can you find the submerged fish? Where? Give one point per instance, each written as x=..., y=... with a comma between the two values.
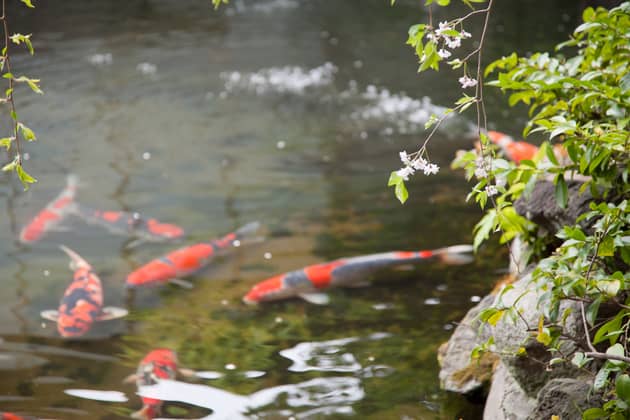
x=11, y=416
x=130, y=224
x=345, y=272
x=82, y=302
x=188, y=260
x=158, y=364
x=53, y=214
x=514, y=150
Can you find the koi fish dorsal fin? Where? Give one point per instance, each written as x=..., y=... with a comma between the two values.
x=76, y=261
x=455, y=255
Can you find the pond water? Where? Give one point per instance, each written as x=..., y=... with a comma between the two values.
x=287, y=112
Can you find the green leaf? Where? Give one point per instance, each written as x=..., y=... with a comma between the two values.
x=24, y=177
x=601, y=378
x=592, y=310
x=594, y=413
x=610, y=329
x=622, y=386
x=28, y=134
x=544, y=337
x=6, y=142
x=28, y=3
x=394, y=179
x=10, y=166
x=579, y=359
x=606, y=247
x=443, y=2
x=401, y=192
x=561, y=191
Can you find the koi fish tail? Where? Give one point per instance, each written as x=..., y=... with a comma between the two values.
x=147, y=412
x=455, y=255
x=76, y=261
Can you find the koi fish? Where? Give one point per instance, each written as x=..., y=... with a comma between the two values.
x=188, y=260
x=130, y=224
x=514, y=150
x=82, y=302
x=10, y=416
x=345, y=272
x=52, y=215
x=158, y=364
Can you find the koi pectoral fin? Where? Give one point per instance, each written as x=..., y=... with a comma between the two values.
x=130, y=379
x=182, y=283
x=134, y=243
x=315, y=298
x=51, y=315
x=189, y=373
x=111, y=312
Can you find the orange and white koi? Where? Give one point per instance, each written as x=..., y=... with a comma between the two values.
x=130, y=224
x=53, y=214
x=187, y=260
x=514, y=150
x=308, y=282
x=158, y=364
x=82, y=302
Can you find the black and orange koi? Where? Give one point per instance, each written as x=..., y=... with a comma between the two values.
x=52, y=215
x=308, y=282
x=82, y=302
x=131, y=224
x=158, y=364
x=187, y=260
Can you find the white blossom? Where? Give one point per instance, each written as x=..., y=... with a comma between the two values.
x=481, y=172
x=453, y=42
x=405, y=172
x=491, y=190
x=431, y=168
x=463, y=34
x=419, y=164
x=404, y=157
x=444, y=26
x=444, y=53
x=467, y=82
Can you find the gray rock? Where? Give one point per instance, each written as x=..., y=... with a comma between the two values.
x=541, y=208
x=565, y=398
x=507, y=400
x=458, y=373
x=510, y=334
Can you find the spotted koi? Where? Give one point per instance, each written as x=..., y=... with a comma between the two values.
x=52, y=215
x=308, y=282
x=187, y=260
x=157, y=364
x=131, y=224
x=514, y=150
x=82, y=302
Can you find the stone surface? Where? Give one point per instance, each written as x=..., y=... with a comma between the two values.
x=458, y=373
x=565, y=398
x=541, y=208
x=507, y=400
x=511, y=334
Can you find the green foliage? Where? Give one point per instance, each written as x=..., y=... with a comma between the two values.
x=583, y=103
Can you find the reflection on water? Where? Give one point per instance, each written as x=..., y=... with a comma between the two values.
x=325, y=356
x=328, y=395
x=97, y=395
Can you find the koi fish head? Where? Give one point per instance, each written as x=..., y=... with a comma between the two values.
x=266, y=290
x=165, y=230
x=74, y=325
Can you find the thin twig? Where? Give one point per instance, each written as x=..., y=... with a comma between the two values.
x=586, y=331
x=7, y=62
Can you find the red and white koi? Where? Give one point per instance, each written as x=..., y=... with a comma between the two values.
x=308, y=282
x=130, y=224
x=513, y=150
x=82, y=302
x=187, y=260
x=53, y=214
x=158, y=364
x=4, y=415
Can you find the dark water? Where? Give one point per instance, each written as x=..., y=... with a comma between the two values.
x=143, y=103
